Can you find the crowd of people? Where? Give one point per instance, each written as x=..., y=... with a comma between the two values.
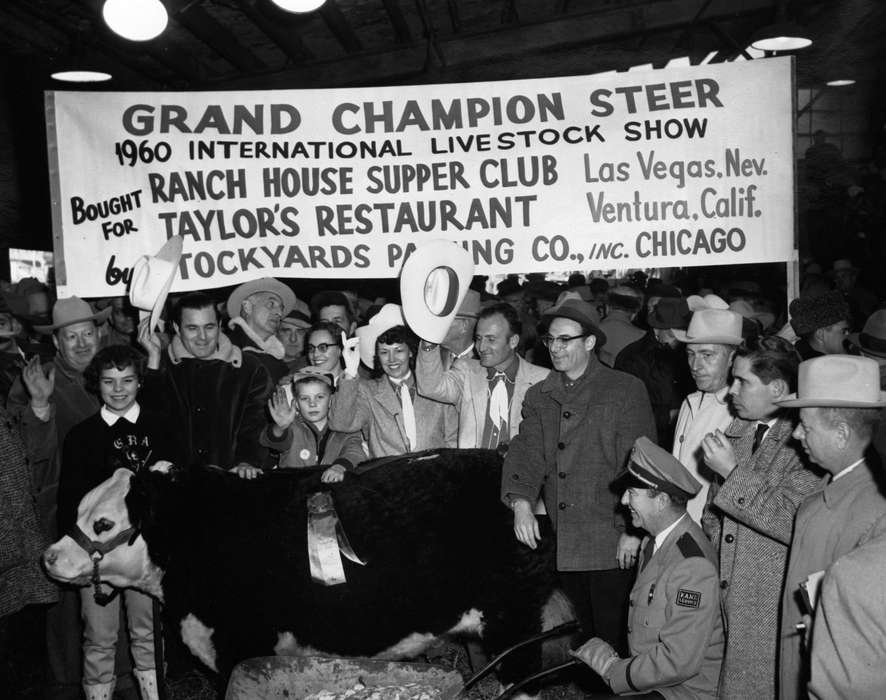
x=708, y=463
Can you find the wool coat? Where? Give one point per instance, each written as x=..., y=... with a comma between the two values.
x=830, y=523
x=674, y=627
x=298, y=447
x=466, y=386
x=373, y=407
x=850, y=627
x=574, y=442
x=750, y=520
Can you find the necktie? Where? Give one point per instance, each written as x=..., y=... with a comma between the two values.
x=758, y=436
x=648, y=551
x=498, y=401
x=408, y=415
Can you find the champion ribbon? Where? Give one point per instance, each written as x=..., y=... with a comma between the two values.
x=327, y=541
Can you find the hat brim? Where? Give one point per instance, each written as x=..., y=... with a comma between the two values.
x=855, y=339
x=269, y=285
x=171, y=252
x=416, y=281
x=100, y=317
x=572, y=315
x=791, y=401
x=684, y=337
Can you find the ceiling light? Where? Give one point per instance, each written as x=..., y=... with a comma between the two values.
x=782, y=36
x=81, y=76
x=298, y=5
x=136, y=20
x=840, y=83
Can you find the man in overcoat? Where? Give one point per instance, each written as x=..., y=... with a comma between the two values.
x=578, y=427
x=839, y=400
x=674, y=629
x=761, y=480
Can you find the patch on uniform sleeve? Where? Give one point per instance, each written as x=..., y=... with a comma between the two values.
x=688, y=599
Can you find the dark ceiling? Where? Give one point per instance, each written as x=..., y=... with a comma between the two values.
x=252, y=44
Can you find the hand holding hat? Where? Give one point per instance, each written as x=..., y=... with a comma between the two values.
x=350, y=352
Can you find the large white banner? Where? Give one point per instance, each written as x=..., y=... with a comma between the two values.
x=682, y=166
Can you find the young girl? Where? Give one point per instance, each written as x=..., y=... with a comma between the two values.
x=300, y=432
x=120, y=434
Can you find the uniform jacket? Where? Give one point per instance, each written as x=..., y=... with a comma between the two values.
x=574, y=443
x=373, y=407
x=675, y=631
x=218, y=405
x=849, y=636
x=750, y=521
x=700, y=414
x=69, y=404
x=466, y=387
x=298, y=447
x=829, y=524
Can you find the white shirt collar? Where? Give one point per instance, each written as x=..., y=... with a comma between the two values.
x=660, y=537
x=401, y=380
x=846, y=470
x=131, y=415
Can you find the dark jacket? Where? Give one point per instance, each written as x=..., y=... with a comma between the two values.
x=572, y=444
x=665, y=374
x=218, y=407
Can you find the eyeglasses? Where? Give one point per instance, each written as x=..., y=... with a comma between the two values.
x=322, y=347
x=561, y=340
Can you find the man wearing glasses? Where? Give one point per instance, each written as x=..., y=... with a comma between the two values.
x=579, y=425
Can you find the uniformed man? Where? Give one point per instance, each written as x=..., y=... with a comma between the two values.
x=675, y=632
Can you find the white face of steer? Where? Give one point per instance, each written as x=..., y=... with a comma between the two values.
x=102, y=515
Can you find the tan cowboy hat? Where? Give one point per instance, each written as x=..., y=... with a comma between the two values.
x=838, y=381
x=712, y=326
x=72, y=310
x=434, y=281
x=152, y=277
x=265, y=284
x=389, y=316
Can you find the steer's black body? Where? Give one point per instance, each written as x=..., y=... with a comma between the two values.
x=435, y=537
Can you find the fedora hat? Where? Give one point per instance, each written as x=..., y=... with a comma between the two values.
x=152, y=277
x=838, y=381
x=570, y=305
x=670, y=312
x=72, y=310
x=712, y=326
x=872, y=339
x=268, y=285
x=389, y=316
x=434, y=281
x=299, y=316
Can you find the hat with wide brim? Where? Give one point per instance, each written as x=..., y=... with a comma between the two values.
x=268, y=285
x=299, y=316
x=72, y=310
x=712, y=326
x=837, y=381
x=570, y=305
x=434, y=281
x=389, y=316
x=152, y=277
x=872, y=339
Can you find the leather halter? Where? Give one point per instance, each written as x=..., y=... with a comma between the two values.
x=96, y=551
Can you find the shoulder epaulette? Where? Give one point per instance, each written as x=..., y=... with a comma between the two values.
x=688, y=546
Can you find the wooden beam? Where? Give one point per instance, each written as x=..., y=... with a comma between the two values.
x=282, y=35
x=340, y=27
x=215, y=35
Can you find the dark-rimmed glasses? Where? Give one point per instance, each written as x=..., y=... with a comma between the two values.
x=322, y=347
x=560, y=340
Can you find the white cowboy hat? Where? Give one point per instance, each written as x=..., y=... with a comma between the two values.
x=152, y=277
x=389, y=316
x=265, y=284
x=434, y=281
x=72, y=310
x=839, y=381
x=712, y=326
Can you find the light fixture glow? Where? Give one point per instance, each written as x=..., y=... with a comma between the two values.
x=136, y=20
x=840, y=83
x=298, y=5
x=783, y=36
x=81, y=76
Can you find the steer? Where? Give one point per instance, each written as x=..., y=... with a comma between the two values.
x=229, y=558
